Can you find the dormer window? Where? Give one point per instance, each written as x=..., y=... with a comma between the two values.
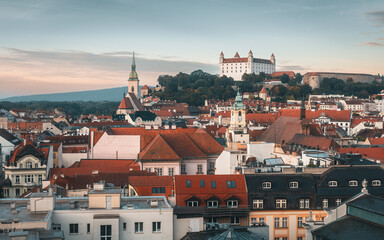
x=28, y=165
x=293, y=185
x=353, y=183
x=266, y=185
x=232, y=203
x=192, y=203
x=376, y=183
x=332, y=183
x=212, y=204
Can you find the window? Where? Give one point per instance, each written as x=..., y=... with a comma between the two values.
x=285, y=238
x=212, y=165
x=56, y=227
x=213, y=184
x=376, y=183
x=183, y=169
x=17, y=179
x=21, y=166
x=212, y=204
x=148, y=169
x=158, y=190
x=124, y=226
x=212, y=220
x=325, y=203
x=88, y=228
x=293, y=185
x=300, y=222
x=28, y=165
x=156, y=226
x=281, y=203
x=73, y=228
x=40, y=178
x=106, y=232
x=28, y=178
x=258, y=203
x=232, y=203
x=332, y=183
x=159, y=171
x=353, y=183
x=304, y=203
x=261, y=220
x=199, y=168
x=6, y=192
x=277, y=222
x=235, y=220
x=285, y=222
x=202, y=183
x=36, y=165
x=299, y=238
x=188, y=183
x=338, y=201
x=138, y=227
x=266, y=185
x=231, y=184
x=171, y=171
x=192, y=203
x=253, y=220
x=17, y=192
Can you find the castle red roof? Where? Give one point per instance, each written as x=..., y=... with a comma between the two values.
x=291, y=74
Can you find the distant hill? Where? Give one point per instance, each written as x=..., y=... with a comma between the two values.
x=109, y=94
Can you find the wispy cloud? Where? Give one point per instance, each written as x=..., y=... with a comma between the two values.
x=377, y=17
x=35, y=71
x=371, y=44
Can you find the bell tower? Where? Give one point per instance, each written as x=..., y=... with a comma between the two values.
x=133, y=81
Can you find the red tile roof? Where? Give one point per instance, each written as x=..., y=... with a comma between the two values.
x=75, y=150
x=357, y=121
x=369, y=153
x=221, y=192
x=112, y=163
x=261, y=117
x=144, y=184
x=158, y=149
x=225, y=114
x=376, y=141
x=341, y=115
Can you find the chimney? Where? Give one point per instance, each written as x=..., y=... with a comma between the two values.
x=302, y=110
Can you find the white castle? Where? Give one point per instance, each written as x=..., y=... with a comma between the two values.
x=235, y=67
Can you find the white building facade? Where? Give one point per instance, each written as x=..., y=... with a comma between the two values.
x=235, y=67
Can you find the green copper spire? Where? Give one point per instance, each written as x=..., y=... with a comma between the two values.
x=133, y=74
x=238, y=104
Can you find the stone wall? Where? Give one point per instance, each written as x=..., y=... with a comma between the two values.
x=314, y=79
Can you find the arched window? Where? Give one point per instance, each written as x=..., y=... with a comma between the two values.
x=332, y=183
x=266, y=185
x=132, y=89
x=28, y=165
x=293, y=184
x=36, y=165
x=376, y=183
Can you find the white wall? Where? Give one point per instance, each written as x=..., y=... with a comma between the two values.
x=184, y=225
x=70, y=158
x=260, y=150
x=116, y=147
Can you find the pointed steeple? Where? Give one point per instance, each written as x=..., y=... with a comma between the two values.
x=133, y=74
x=133, y=62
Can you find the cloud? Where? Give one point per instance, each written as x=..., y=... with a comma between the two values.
x=26, y=72
x=376, y=17
x=371, y=44
x=295, y=68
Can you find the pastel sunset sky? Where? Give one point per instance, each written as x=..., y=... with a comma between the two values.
x=49, y=46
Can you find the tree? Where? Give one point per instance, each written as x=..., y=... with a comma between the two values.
x=284, y=78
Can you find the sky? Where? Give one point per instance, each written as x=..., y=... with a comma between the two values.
x=49, y=46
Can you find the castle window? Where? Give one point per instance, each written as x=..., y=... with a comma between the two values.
x=293, y=185
x=266, y=185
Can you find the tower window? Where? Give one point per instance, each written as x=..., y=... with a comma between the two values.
x=132, y=89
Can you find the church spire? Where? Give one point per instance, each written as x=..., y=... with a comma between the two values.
x=133, y=62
